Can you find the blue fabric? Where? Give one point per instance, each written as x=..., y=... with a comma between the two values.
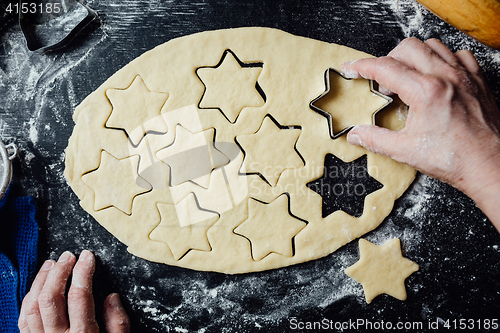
x=18, y=256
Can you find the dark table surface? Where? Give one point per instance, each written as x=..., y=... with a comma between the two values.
x=456, y=247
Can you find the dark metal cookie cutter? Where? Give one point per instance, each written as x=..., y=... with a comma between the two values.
x=328, y=115
x=50, y=26
x=7, y=154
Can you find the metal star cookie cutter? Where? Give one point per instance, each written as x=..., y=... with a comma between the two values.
x=7, y=154
x=48, y=28
x=328, y=115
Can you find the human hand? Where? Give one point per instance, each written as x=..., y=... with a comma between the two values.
x=45, y=308
x=453, y=125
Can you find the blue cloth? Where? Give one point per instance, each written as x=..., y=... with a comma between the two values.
x=18, y=256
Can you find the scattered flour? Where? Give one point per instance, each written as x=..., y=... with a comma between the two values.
x=32, y=83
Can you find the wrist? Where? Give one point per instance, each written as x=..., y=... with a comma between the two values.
x=480, y=180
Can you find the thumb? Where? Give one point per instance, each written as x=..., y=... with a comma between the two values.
x=115, y=317
x=377, y=139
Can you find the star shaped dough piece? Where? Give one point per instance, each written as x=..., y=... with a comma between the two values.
x=115, y=182
x=134, y=107
x=347, y=103
x=270, y=227
x=183, y=226
x=270, y=150
x=192, y=156
x=382, y=269
x=229, y=86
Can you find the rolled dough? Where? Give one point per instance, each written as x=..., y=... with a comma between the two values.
x=282, y=74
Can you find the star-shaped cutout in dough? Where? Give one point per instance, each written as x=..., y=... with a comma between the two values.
x=382, y=269
x=192, y=156
x=183, y=226
x=115, y=182
x=133, y=107
x=231, y=85
x=270, y=150
x=346, y=103
x=270, y=227
x=344, y=186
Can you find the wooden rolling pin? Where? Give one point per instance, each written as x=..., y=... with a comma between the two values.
x=477, y=18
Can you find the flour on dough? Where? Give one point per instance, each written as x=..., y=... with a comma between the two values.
x=133, y=107
x=261, y=159
x=229, y=113
x=382, y=269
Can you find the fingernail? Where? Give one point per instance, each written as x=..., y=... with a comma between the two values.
x=354, y=139
x=384, y=91
x=349, y=73
x=47, y=265
x=114, y=301
x=86, y=256
x=65, y=256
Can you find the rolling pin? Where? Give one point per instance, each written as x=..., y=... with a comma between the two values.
x=479, y=19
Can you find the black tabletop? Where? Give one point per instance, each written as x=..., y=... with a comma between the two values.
x=441, y=229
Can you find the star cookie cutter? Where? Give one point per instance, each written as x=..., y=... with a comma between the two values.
x=328, y=115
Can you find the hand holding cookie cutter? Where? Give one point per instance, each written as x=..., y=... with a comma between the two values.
x=334, y=134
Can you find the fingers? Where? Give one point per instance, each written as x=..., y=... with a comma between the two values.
x=426, y=57
x=51, y=300
x=30, y=319
x=390, y=73
x=467, y=59
x=115, y=317
x=417, y=55
x=410, y=52
x=378, y=140
x=442, y=51
x=45, y=309
x=81, y=308
x=414, y=69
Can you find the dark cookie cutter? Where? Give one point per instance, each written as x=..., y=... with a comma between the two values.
x=7, y=154
x=328, y=115
x=58, y=29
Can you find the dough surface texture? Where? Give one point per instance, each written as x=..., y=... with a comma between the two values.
x=382, y=269
x=198, y=153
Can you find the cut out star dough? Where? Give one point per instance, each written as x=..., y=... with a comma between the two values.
x=192, y=156
x=262, y=159
x=344, y=186
x=382, y=269
x=183, y=226
x=115, y=182
x=347, y=103
x=133, y=107
x=270, y=229
x=292, y=71
x=230, y=86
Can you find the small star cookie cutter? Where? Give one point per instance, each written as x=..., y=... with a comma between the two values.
x=328, y=115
